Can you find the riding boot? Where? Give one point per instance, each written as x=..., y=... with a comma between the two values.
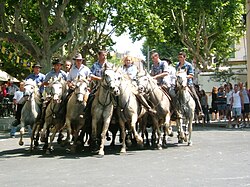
x=197, y=102
x=144, y=102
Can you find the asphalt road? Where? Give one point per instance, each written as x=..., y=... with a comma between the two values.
x=218, y=157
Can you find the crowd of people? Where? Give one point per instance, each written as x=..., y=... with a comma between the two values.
x=227, y=102
x=230, y=103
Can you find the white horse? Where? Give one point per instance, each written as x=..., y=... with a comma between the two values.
x=185, y=107
x=160, y=101
x=55, y=111
x=103, y=107
x=31, y=110
x=75, y=109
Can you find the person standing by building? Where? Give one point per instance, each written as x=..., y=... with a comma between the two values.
x=18, y=101
x=237, y=105
x=204, y=105
x=184, y=65
x=229, y=94
x=245, y=112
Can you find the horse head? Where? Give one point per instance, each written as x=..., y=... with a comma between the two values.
x=143, y=82
x=57, y=88
x=181, y=79
x=111, y=81
x=81, y=88
x=30, y=88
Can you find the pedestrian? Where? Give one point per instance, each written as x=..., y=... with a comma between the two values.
x=245, y=112
x=188, y=67
x=237, y=104
x=229, y=94
x=18, y=101
x=158, y=68
x=204, y=105
x=214, y=108
x=221, y=102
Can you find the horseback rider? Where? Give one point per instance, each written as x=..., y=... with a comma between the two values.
x=77, y=69
x=158, y=68
x=183, y=64
x=56, y=72
x=131, y=70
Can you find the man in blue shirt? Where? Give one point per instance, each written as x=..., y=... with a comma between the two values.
x=37, y=76
x=158, y=68
x=183, y=64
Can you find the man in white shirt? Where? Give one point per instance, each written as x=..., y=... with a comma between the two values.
x=18, y=101
x=237, y=104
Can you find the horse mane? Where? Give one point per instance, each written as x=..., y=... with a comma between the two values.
x=37, y=94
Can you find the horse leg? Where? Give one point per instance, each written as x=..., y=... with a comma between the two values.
x=123, y=136
x=22, y=130
x=167, y=129
x=32, y=136
x=190, y=129
x=103, y=136
x=52, y=136
x=138, y=138
x=94, y=143
x=180, y=130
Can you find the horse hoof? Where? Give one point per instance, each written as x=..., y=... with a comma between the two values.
x=101, y=154
x=159, y=147
x=180, y=141
x=190, y=143
x=21, y=143
x=123, y=150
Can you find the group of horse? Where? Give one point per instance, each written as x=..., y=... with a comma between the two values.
x=114, y=106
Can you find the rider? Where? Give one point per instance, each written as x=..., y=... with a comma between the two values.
x=56, y=72
x=132, y=71
x=37, y=76
x=183, y=64
x=77, y=69
x=170, y=79
x=158, y=68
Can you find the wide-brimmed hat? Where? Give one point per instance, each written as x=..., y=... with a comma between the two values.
x=36, y=65
x=56, y=61
x=78, y=56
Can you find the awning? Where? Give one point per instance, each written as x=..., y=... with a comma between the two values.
x=5, y=77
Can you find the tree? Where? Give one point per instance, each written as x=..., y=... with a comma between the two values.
x=206, y=28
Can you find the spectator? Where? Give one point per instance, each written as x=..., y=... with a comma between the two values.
x=214, y=109
x=204, y=105
x=221, y=102
x=11, y=89
x=228, y=112
x=237, y=104
x=245, y=112
x=18, y=102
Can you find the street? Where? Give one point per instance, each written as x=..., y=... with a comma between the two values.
x=218, y=157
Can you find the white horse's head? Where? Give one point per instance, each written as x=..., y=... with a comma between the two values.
x=57, y=88
x=81, y=88
x=143, y=82
x=181, y=81
x=111, y=81
x=30, y=88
